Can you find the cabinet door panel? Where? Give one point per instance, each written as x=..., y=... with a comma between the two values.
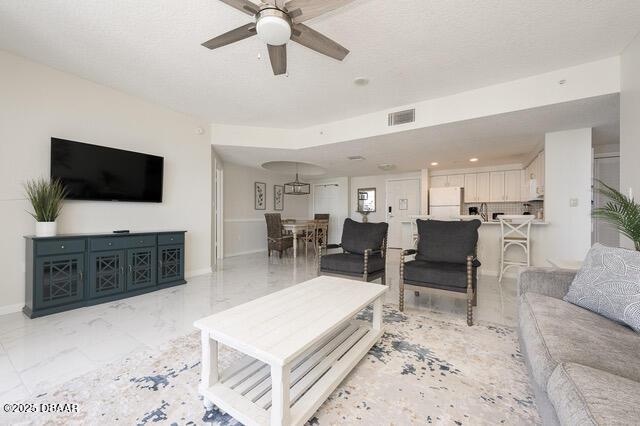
x=59, y=280
x=107, y=273
x=483, y=187
x=438, y=181
x=470, y=188
x=141, y=268
x=512, y=185
x=170, y=263
x=497, y=186
x=456, y=181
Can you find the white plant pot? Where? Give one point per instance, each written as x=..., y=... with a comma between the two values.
x=45, y=229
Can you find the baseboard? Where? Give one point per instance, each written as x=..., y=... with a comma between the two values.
x=242, y=253
x=198, y=272
x=10, y=309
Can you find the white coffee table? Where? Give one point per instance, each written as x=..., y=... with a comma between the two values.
x=300, y=343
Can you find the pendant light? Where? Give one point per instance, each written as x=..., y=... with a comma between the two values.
x=296, y=187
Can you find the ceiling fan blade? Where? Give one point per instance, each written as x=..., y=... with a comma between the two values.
x=302, y=10
x=232, y=36
x=245, y=6
x=278, y=57
x=315, y=41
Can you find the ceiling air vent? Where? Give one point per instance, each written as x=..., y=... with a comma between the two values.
x=402, y=117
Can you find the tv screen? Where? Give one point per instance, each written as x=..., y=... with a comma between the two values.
x=92, y=172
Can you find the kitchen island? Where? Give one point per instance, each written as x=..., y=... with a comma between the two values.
x=489, y=244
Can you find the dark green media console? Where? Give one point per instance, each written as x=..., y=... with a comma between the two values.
x=70, y=271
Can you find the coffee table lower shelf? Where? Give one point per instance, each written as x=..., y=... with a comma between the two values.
x=244, y=389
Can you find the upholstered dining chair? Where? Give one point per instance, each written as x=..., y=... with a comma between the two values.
x=364, y=247
x=323, y=230
x=445, y=259
x=276, y=239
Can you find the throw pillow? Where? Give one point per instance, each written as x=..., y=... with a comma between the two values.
x=608, y=283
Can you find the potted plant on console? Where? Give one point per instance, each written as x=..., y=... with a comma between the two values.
x=46, y=197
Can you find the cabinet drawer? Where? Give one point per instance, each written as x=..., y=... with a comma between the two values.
x=44, y=248
x=142, y=241
x=164, y=239
x=99, y=244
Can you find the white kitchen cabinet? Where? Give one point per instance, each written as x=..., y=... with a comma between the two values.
x=438, y=181
x=470, y=188
x=512, y=181
x=456, y=180
x=483, y=187
x=497, y=187
x=541, y=173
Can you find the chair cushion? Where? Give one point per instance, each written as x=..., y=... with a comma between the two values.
x=358, y=237
x=351, y=263
x=586, y=396
x=554, y=331
x=608, y=283
x=447, y=241
x=439, y=274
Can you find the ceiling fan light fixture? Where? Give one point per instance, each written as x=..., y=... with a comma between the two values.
x=273, y=27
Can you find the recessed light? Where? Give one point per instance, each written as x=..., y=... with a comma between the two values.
x=386, y=166
x=562, y=82
x=473, y=160
x=434, y=163
x=361, y=81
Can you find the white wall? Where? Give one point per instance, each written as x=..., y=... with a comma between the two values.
x=568, y=176
x=245, y=229
x=380, y=183
x=36, y=103
x=629, y=122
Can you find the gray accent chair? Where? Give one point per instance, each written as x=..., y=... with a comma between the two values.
x=583, y=367
x=445, y=260
x=364, y=247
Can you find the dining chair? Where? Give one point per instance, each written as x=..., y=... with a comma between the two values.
x=323, y=233
x=276, y=239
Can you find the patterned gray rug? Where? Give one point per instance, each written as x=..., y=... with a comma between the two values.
x=428, y=368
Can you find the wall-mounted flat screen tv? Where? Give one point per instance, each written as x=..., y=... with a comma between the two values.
x=92, y=172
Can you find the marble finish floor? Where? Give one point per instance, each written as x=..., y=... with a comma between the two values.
x=38, y=354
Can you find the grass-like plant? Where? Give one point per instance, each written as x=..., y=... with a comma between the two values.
x=620, y=211
x=46, y=197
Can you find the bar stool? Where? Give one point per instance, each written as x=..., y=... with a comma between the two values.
x=515, y=231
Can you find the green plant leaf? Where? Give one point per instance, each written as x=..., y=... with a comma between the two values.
x=46, y=197
x=620, y=211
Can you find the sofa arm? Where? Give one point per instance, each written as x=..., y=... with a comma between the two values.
x=553, y=282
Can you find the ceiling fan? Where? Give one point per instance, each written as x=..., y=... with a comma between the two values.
x=277, y=22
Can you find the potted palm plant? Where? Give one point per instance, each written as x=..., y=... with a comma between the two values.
x=46, y=197
x=620, y=211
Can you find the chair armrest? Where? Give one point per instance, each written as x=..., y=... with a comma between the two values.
x=553, y=282
x=372, y=251
x=333, y=246
x=409, y=252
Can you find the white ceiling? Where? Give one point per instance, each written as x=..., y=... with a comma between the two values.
x=411, y=50
x=496, y=140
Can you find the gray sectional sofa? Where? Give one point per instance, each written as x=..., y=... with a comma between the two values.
x=584, y=368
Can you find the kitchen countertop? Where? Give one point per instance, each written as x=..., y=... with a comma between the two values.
x=497, y=222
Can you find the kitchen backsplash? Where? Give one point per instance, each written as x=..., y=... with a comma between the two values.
x=508, y=208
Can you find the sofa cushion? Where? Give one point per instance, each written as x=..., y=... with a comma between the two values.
x=586, y=396
x=554, y=331
x=440, y=273
x=608, y=283
x=358, y=237
x=447, y=241
x=351, y=263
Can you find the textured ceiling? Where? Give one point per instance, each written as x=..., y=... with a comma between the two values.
x=410, y=49
x=499, y=139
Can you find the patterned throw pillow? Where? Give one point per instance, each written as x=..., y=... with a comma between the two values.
x=609, y=284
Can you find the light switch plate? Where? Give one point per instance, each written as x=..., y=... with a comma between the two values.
x=573, y=202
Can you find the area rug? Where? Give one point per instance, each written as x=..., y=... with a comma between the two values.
x=428, y=368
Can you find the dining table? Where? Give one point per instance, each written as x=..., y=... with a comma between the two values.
x=298, y=226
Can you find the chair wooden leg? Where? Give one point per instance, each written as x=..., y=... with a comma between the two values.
x=383, y=280
x=269, y=251
x=469, y=290
x=475, y=297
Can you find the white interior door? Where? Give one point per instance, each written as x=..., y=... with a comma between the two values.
x=607, y=170
x=402, y=200
x=327, y=198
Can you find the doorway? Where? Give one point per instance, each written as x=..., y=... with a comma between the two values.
x=329, y=198
x=606, y=168
x=402, y=201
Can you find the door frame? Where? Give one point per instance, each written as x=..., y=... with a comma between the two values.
x=340, y=186
x=594, y=221
x=386, y=198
